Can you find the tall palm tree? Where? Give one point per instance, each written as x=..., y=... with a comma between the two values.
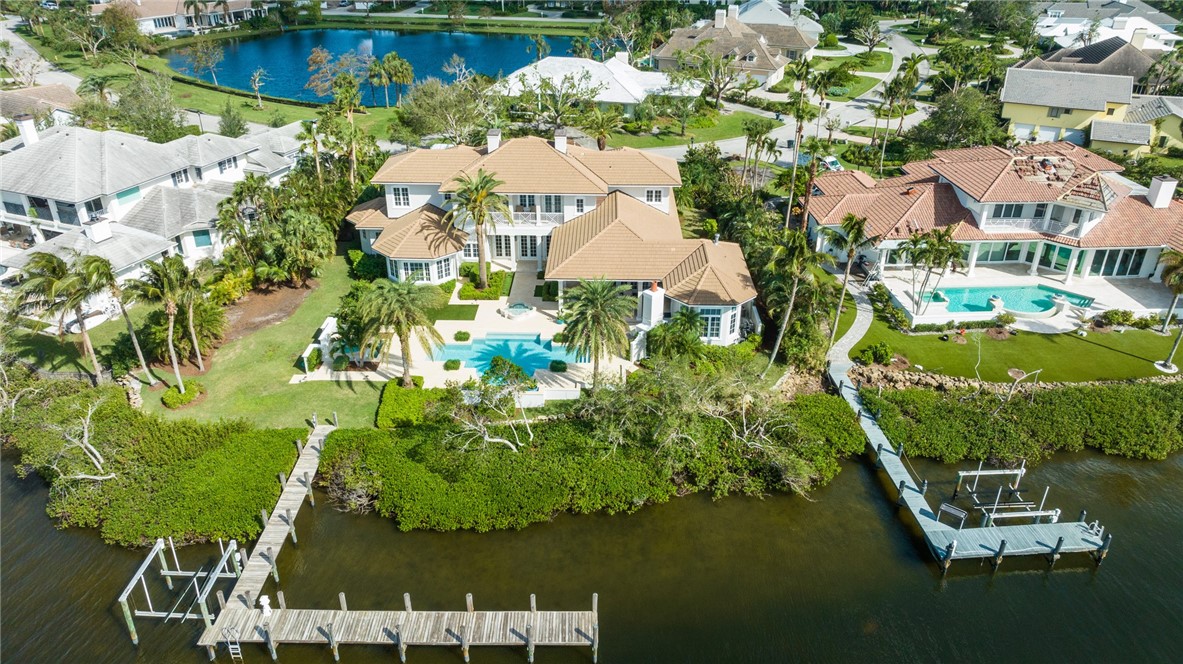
x=401, y=74
x=191, y=293
x=400, y=308
x=196, y=7
x=52, y=286
x=599, y=124
x=755, y=130
x=597, y=312
x=803, y=111
x=851, y=240
x=477, y=201
x=790, y=261
x=941, y=253
x=98, y=85
x=816, y=149
x=379, y=75
x=307, y=136
x=100, y=276
x=1172, y=278
x=163, y=284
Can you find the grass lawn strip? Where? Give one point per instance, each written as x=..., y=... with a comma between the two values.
x=729, y=126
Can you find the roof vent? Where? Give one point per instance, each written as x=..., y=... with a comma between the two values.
x=909, y=191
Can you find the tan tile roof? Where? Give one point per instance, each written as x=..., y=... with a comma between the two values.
x=37, y=99
x=894, y=212
x=625, y=239
x=531, y=165
x=371, y=214
x=154, y=8
x=1133, y=223
x=1033, y=173
x=421, y=233
x=834, y=183
x=734, y=40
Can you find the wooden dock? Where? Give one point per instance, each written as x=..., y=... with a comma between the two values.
x=948, y=543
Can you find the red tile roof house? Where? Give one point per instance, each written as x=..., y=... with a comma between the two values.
x=576, y=214
x=1046, y=214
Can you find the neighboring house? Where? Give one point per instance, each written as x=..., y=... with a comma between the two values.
x=68, y=185
x=1111, y=57
x=53, y=102
x=277, y=153
x=1047, y=106
x=615, y=81
x=748, y=50
x=170, y=18
x=1048, y=210
x=769, y=12
x=1136, y=31
x=576, y=214
x=1121, y=137
x=1164, y=115
x=1090, y=10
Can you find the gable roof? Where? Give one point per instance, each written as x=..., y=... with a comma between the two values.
x=626, y=239
x=208, y=149
x=168, y=211
x=1133, y=133
x=126, y=247
x=1148, y=108
x=86, y=164
x=421, y=233
x=1113, y=57
x=1090, y=9
x=532, y=165
x=768, y=12
x=615, y=81
x=734, y=40
x=785, y=37
x=37, y=100
x=1065, y=89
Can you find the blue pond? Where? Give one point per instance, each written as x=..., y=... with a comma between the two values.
x=528, y=351
x=1025, y=299
x=285, y=56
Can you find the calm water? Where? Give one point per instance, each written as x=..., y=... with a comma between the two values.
x=285, y=56
x=1027, y=299
x=529, y=352
x=835, y=579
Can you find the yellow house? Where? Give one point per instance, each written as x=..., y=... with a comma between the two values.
x=1043, y=106
x=1165, y=117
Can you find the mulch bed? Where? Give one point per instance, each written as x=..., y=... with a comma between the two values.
x=998, y=333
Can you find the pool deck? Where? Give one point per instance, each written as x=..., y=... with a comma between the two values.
x=1139, y=295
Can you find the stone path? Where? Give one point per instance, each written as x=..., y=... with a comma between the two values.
x=840, y=351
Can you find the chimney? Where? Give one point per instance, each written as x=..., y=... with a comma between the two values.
x=733, y=11
x=1138, y=40
x=622, y=56
x=97, y=229
x=1162, y=188
x=1119, y=22
x=561, y=140
x=493, y=139
x=27, y=127
x=720, y=18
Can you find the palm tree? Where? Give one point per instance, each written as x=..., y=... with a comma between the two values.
x=941, y=252
x=801, y=70
x=815, y=148
x=803, y=111
x=599, y=125
x=680, y=337
x=100, y=275
x=597, y=313
x=163, y=284
x=754, y=130
x=307, y=136
x=400, y=308
x=401, y=74
x=98, y=85
x=833, y=123
x=196, y=7
x=191, y=292
x=1172, y=278
x=52, y=286
x=851, y=240
x=477, y=201
x=790, y=261
x=379, y=75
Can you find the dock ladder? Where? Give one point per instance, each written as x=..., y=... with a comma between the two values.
x=230, y=635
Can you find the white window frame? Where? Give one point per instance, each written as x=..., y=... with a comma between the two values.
x=579, y=206
x=653, y=195
x=180, y=177
x=164, y=22
x=1007, y=211
x=227, y=164
x=712, y=322
x=528, y=246
x=422, y=268
x=401, y=196
x=552, y=203
x=471, y=250
x=734, y=327
x=527, y=201
x=443, y=269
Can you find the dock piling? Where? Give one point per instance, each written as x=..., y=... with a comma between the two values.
x=274, y=567
x=407, y=601
x=997, y=560
x=291, y=526
x=463, y=643
x=308, y=485
x=250, y=601
x=221, y=601
x=923, y=487
x=1104, y=550
x=1083, y=515
x=595, y=642
x=299, y=448
x=344, y=606
x=333, y=643
x=335, y=424
x=283, y=480
x=533, y=604
x=957, y=489
x=402, y=646
x=168, y=580
x=280, y=598
x=1055, y=554
x=529, y=643
x=270, y=643
x=468, y=601
x=131, y=624
x=879, y=455
x=948, y=557
x=263, y=514
x=900, y=500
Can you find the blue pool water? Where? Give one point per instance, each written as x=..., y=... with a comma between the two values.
x=528, y=351
x=285, y=56
x=1025, y=299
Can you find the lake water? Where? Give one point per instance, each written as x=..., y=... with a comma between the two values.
x=285, y=56
x=837, y=578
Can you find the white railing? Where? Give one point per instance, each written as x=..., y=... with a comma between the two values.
x=1059, y=227
x=1010, y=224
x=36, y=222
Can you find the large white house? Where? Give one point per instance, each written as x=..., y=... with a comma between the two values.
x=1046, y=214
x=576, y=214
x=170, y=18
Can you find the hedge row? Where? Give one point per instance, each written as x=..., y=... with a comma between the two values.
x=404, y=407
x=1141, y=421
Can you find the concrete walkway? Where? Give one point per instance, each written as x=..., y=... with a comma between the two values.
x=839, y=353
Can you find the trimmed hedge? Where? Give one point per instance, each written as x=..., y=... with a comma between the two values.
x=366, y=267
x=313, y=361
x=451, y=365
x=1142, y=421
x=172, y=397
x=499, y=283
x=404, y=407
x=461, y=336
x=558, y=366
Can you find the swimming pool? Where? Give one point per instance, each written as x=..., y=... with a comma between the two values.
x=1022, y=299
x=528, y=351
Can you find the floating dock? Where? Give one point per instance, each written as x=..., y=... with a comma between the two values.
x=948, y=543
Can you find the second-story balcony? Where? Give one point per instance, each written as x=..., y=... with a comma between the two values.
x=535, y=216
x=1053, y=226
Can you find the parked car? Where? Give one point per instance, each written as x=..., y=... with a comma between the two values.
x=832, y=164
x=343, y=3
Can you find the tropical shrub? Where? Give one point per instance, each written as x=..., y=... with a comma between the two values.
x=340, y=363
x=830, y=40
x=499, y=283
x=172, y=397
x=402, y=407
x=1005, y=319
x=313, y=361
x=558, y=366
x=231, y=287
x=209, y=320
x=1116, y=317
x=1142, y=421
x=559, y=338
x=878, y=353
x=461, y=336
x=451, y=365
x=366, y=267
x=1147, y=322
x=838, y=91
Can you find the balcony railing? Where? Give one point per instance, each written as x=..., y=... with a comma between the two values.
x=534, y=216
x=1053, y=226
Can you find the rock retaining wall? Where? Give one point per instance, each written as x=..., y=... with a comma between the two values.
x=876, y=376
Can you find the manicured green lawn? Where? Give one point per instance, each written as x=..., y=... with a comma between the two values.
x=881, y=64
x=248, y=377
x=51, y=354
x=729, y=126
x=846, y=318
x=1063, y=357
x=858, y=86
x=454, y=312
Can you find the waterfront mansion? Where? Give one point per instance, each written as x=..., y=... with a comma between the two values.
x=577, y=214
x=1050, y=214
